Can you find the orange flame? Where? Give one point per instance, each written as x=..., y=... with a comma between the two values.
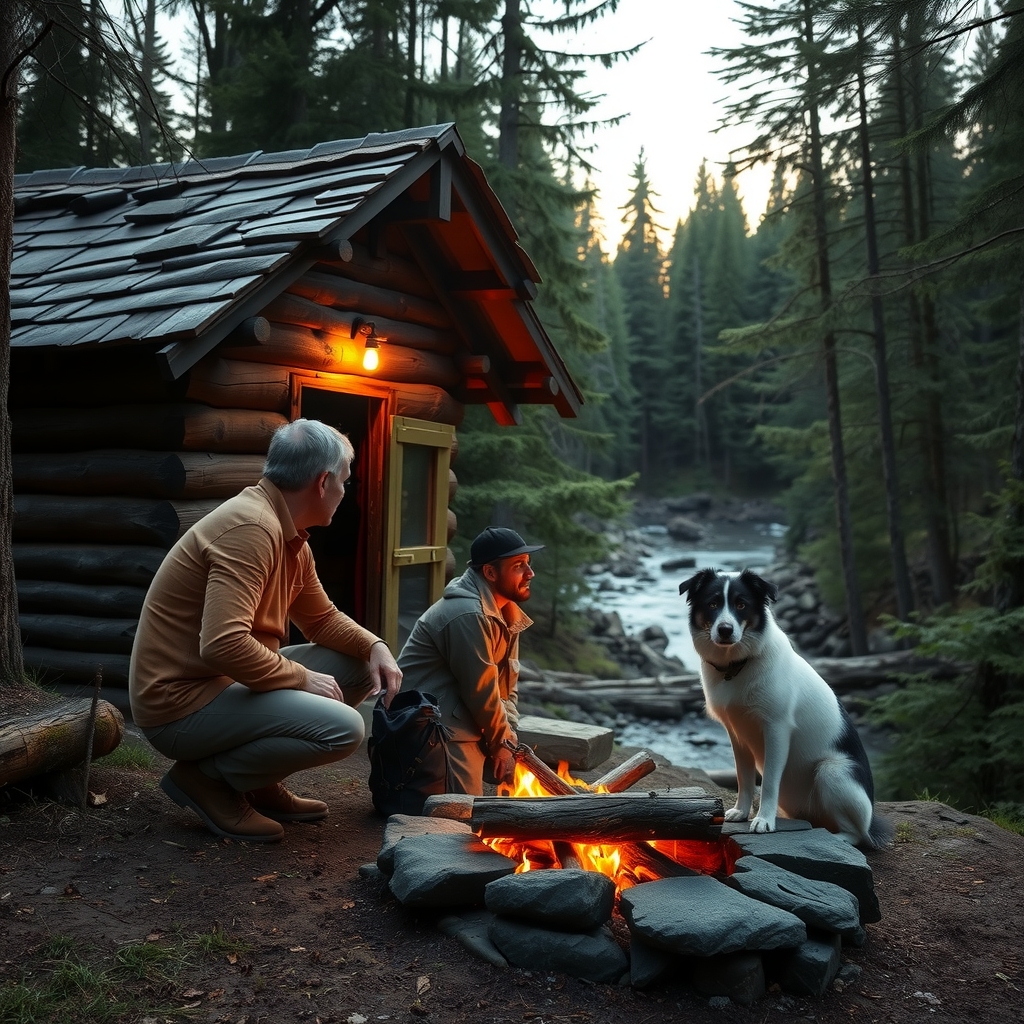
x=703, y=856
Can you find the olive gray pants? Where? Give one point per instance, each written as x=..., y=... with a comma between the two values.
x=250, y=739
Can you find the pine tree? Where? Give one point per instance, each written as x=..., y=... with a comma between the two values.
x=638, y=267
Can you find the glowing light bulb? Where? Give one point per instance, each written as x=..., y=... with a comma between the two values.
x=370, y=358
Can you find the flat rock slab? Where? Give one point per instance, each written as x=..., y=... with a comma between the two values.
x=648, y=965
x=445, y=871
x=818, y=904
x=554, y=740
x=817, y=853
x=569, y=900
x=471, y=929
x=699, y=916
x=592, y=956
x=404, y=826
x=457, y=806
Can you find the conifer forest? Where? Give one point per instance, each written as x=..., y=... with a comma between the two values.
x=854, y=350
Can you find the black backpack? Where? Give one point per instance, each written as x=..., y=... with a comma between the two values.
x=408, y=748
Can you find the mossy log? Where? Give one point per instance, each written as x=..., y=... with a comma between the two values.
x=56, y=739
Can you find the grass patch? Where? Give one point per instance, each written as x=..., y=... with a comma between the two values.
x=1007, y=816
x=129, y=754
x=69, y=982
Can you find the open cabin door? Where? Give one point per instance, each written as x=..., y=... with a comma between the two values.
x=417, y=522
x=349, y=552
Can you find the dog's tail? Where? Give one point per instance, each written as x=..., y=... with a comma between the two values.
x=881, y=832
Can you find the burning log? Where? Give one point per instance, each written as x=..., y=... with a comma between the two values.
x=546, y=778
x=597, y=818
x=627, y=774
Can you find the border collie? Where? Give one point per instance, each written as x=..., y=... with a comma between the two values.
x=783, y=719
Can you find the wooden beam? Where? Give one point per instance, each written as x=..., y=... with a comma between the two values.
x=133, y=564
x=339, y=292
x=293, y=309
x=310, y=349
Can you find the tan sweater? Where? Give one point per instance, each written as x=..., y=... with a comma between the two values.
x=218, y=609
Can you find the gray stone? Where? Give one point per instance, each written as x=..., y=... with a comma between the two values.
x=445, y=871
x=818, y=904
x=742, y=828
x=809, y=969
x=403, y=826
x=719, y=1002
x=554, y=740
x=818, y=854
x=681, y=528
x=592, y=955
x=648, y=965
x=740, y=976
x=372, y=873
x=457, y=806
x=471, y=930
x=698, y=915
x=569, y=900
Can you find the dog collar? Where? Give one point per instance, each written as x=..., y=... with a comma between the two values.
x=731, y=670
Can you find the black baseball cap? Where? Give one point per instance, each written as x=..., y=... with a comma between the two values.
x=498, y=542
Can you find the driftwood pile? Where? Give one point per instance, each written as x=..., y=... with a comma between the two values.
x=672, y=696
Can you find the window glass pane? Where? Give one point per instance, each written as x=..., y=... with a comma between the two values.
x=413, y=598
x=417, y=495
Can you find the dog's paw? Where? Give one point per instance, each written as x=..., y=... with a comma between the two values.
x=737, y=814
x=760, y=824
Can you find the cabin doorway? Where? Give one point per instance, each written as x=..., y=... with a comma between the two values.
x=348, y=553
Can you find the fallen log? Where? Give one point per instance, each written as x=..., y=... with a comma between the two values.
x=597, y=818
x=631, y=771
x=56, y=739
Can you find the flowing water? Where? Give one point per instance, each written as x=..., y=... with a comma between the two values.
x=652, y=599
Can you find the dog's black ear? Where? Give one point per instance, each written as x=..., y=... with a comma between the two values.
x=765, y=591
x=695, y=582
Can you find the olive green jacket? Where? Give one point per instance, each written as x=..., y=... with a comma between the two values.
x=465, y=652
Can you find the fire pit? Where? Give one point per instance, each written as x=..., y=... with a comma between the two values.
x=613, y=885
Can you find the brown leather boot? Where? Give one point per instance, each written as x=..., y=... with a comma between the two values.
x=282, y=805
x=224, y=811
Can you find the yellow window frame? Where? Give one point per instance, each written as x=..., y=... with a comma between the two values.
x=438, y=437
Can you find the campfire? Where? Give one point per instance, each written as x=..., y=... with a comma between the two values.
x=595, y=829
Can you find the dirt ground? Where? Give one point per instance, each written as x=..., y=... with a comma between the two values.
x=323, y=944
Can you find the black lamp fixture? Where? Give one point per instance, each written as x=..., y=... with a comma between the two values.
x=368, y=330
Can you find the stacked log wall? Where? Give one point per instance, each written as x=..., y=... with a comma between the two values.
x=110, y=468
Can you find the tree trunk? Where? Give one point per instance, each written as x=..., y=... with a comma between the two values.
x=890, y=471
x=511, y=86
x=11, y=665
x=854, y=605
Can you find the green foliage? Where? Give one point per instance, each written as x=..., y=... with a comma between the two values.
x=128, y=754
x=964, y=734
x=68, y=982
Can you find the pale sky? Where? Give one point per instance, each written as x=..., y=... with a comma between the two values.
x=673, y=101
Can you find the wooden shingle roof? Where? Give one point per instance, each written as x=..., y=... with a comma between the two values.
x=175, y=256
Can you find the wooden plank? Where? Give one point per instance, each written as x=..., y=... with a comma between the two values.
x=238, y=384
x=132, y=564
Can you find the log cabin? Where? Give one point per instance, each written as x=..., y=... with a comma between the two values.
x=166, y=319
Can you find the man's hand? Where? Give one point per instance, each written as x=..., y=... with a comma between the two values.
x=322, y=685
x=503, y=764
x=384, y=672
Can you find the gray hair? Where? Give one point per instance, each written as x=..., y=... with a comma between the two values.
x=303, y=449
